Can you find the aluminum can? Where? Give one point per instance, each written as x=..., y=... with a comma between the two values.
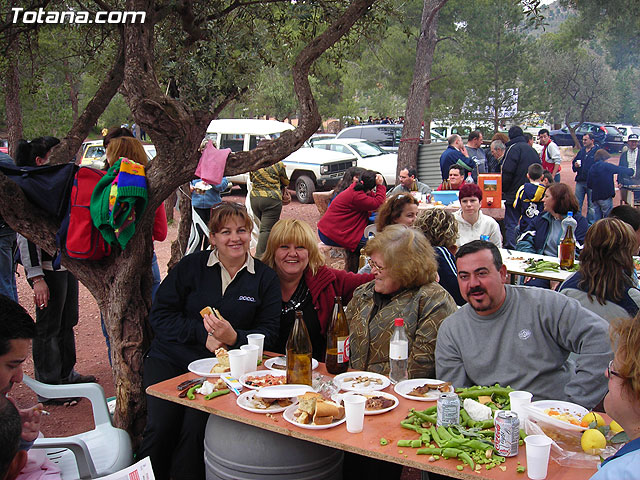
x=507, y=434
x=484, y=237
x=448, y=409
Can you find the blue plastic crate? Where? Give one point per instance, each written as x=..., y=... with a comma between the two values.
x=445, y=196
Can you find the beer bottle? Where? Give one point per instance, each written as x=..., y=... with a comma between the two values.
x=299, y=353
x=337, y=358
x=567, y=247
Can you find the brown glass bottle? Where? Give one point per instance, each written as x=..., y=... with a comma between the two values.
x=567, y=250
x=337, y=357
x=299, y=353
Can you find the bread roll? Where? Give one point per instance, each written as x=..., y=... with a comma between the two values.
x=322, y=420
x=327, y=409
x=206, y=311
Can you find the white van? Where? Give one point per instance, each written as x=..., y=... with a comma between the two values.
x=308, y=169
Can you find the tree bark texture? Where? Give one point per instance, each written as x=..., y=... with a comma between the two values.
x=12, y=98
x=179, y=245
x=419, y=90
x=121, y=283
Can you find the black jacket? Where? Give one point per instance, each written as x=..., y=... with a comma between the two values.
x=251, y=303
x=518, y=157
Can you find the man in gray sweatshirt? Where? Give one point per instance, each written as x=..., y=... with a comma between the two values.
x=520, y=336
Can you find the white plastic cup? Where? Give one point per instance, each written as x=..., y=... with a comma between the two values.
x=538, y=448
x=354, y=411
x=518, y=400
x=252, y=356
x=257, y=339
x=237, y=362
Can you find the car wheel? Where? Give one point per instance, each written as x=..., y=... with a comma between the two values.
x=304, y=189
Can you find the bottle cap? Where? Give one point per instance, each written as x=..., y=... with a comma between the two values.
x=569, y=214
x=398, y=322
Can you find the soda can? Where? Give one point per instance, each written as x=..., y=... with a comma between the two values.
x=448, y=409
x=507, y=434
x=484, y=237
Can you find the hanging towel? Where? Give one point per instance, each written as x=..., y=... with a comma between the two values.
x=212, y=163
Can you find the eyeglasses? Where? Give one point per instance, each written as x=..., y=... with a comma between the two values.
x=610, y=371
x=375, y=265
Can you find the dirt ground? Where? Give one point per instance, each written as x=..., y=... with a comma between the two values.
x=91, y=348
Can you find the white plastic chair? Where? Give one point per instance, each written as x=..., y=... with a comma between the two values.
x=96, y=453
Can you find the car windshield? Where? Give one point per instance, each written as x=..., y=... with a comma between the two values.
x=613, y=130
x=367, y=149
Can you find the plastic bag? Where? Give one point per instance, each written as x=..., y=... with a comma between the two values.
x=212, y=163
x=565, y=448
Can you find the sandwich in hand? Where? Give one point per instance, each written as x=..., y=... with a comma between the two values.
x=223, y=361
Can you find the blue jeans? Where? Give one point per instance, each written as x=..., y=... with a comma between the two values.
x=602, y=208
x=7, y=266
x=581, y=191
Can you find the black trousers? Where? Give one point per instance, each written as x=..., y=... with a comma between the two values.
x=54, y=347
x=174, y=435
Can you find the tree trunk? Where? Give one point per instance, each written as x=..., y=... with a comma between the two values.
x=179, y=245
x=170, y=205
x=12, y=98
x=73, y=90
x=419, y=91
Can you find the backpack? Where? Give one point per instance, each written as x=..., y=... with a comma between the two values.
x=77, y=234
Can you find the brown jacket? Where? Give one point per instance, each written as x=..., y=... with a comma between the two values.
x=423, y=310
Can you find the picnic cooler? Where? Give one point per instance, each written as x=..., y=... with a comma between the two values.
x=491, y=186
x=234, y=450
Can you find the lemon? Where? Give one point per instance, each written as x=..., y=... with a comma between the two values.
x=615, y=427
x=592, y=417
x=593, y=441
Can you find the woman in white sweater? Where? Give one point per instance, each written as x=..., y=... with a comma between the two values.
x=472, y=223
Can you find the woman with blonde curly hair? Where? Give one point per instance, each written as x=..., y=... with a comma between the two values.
x=606, y=282
x=305, y=282
x=441, y=229
x=621, y=403
x=405, y=286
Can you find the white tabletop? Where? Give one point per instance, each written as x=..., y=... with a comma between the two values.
x=515, y=262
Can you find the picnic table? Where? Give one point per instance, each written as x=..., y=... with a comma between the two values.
x=367, y=442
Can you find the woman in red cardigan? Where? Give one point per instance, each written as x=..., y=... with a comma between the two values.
x=305, y=283
x=346, y=218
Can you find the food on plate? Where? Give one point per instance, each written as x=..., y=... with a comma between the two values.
x=223, y=361
x=515, y=258
x=315, y=410
x=265, y=380
x=377, y=402
x=362, y=381
x=562, y=416
x=264, y=403
x=429, y=388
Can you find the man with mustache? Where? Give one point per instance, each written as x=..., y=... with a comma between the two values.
x=520, y=336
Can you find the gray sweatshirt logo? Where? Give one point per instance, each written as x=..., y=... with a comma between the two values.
x=524, y=334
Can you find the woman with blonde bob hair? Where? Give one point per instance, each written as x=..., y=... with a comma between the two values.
x=623, y=400
x=405, y=286
x=605, y=283
x=305, y=282
x=126, y=147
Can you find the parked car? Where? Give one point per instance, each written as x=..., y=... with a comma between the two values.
x=4, y=146
x=625, y=130
x=320, y=136
x=386, y=137
x=368, y=154
x=93, y=154
x=608, y=137
x=308, y=169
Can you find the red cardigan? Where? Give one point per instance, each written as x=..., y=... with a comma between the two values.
x=160, y=224
x=347, y=216
x=329, y=283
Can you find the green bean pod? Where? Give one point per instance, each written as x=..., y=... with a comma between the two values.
x=429, y=451
x=191, y=393
x=217, y=393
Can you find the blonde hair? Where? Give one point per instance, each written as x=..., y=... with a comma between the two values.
x=625, y=337
x=408, y=257
x=127, y=147
x=439, y=226
x=223, y=211
x=298, y=232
